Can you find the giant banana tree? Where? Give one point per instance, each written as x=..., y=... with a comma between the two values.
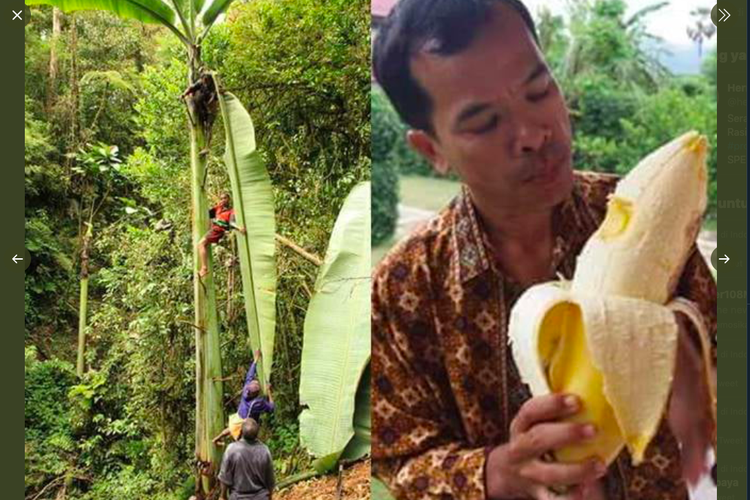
x=190, y=21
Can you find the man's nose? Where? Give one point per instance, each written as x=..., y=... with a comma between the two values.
x=529, y=137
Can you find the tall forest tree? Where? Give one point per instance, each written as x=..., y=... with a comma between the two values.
x=57, y=18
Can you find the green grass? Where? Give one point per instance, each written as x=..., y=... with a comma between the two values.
x=427, y=193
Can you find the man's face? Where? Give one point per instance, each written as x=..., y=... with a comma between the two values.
x=498, y=117
x=225, y=200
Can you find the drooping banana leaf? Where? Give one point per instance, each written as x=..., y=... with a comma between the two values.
x=147, y=11
x=359, y=445
x=214, y=10
x=336, y=345
x=252, y=198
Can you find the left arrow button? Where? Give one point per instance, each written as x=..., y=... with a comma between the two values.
x=24, y=259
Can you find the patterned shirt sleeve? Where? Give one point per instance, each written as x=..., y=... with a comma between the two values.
x=417, y=451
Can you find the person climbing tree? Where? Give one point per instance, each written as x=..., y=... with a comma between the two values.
x=222, y=220
x=252, y=405
x=202, y=96
x=234, y=429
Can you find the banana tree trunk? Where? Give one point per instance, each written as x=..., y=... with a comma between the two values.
x=83, y=302
x=209, y=413
x=82, y=312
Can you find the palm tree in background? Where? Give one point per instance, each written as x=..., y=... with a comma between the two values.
x=604, y=40
x=703, y=29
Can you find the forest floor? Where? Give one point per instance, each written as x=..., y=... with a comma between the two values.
x=355, y=485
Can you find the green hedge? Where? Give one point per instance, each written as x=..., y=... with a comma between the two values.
x=405, y=160
x=385, y=131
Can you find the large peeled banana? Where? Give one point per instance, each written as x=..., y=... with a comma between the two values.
x=608, y=336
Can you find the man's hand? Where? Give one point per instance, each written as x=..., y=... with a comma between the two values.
x=257, y=354
x=689, y=413
x=516, y=469
x=242, y=230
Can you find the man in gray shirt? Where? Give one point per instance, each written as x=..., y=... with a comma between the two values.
x=247, y=468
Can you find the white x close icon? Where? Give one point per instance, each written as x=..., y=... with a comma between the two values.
x=17, y=15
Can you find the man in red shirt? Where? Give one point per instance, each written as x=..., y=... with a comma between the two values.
x=222, y=220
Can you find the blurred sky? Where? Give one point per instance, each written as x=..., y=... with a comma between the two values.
x=670, y=23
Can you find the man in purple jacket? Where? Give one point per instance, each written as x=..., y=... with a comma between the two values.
x=251, y=403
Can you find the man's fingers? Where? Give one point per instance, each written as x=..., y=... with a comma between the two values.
x=549, y=436
x=557, y=474
x=542, y=409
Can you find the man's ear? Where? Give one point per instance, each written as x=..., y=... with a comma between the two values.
x=427, y=146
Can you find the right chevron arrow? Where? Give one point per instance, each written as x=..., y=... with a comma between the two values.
x=724, y=15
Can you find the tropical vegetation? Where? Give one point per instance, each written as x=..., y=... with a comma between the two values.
x=132, y=361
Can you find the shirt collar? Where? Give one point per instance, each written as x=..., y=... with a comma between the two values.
x=472, y=255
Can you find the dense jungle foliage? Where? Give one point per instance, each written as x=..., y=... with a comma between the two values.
x=107, y=155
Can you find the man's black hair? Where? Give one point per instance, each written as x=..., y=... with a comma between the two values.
x=250, y=430
x=442, y=27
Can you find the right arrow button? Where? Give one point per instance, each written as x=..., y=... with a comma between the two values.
x=719, y=15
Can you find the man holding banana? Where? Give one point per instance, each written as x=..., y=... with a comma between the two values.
x=451, y=417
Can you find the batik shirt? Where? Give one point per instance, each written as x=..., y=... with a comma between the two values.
x=445, y=385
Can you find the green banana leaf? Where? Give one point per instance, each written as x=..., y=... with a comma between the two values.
x=336, y=346
x=214, y=10
x=252, y=197
x=359, y=445
x=378, y=490
x=147, y=11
